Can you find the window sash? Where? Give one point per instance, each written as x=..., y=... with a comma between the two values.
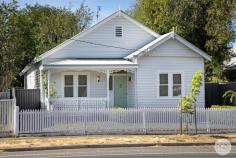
x=163, y=93
x=81, y=86
x=177, y=85
x=68, y=86
x=177, y=90
x=110, y=83
x=170, y=84
x=163, y=83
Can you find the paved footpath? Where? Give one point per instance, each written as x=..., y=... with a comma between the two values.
x=128, y=152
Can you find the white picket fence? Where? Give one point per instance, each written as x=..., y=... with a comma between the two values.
x=5, y=95
x=7, y=111
x=77, y=103
x=142, y=120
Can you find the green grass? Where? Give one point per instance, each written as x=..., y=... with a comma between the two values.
x=223, y=106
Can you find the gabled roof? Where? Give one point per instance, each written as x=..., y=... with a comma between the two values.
x=83, y=33
x=155, y=43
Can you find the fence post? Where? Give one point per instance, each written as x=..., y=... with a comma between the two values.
x=16, y=119
x=208, y=120
x=144, y=122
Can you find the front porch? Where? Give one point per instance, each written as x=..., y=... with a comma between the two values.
x=91, y=86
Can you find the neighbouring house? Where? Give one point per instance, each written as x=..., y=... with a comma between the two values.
x=117, y=62
x=231, y=66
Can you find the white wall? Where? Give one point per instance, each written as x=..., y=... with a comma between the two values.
x=96, y=89
x=133, y=38
x=131, y=90
x=31, y=79
x=168, y=57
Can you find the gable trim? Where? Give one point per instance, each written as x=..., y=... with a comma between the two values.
x=83, y=33
x=163, y=39
x=145, y=28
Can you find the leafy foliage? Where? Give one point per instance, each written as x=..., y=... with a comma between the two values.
x=229, y=96
x=209, y=24
x=29, y=32
x=187, y=102
x=53, y=91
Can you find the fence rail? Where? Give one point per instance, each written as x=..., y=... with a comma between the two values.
x=142, y=120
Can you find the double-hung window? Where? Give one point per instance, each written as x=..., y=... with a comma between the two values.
x=163, y=86
x=68, y=86
x=177, y=85
x=170, y=84
x=82, y=86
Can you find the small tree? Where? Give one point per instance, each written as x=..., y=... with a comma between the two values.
x=188, y=103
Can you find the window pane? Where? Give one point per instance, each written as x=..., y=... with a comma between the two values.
x=163, y=78
x=163, y=90
x=68, y=79
x=110, y=83
x=176, y=78
x=82, y=80
x=68, y=91
x=82, y=91
x=177, y=90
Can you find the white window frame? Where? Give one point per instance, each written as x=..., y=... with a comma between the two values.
x=170, y=84
x=76, y=83
x=177, y=84
x=82, y=85
x=122, y=31
x=73, y=85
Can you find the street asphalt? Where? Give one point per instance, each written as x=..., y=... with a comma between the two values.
x=128, y=152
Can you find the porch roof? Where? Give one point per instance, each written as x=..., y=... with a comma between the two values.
x=94, y=63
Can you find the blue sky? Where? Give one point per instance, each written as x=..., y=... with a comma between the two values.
x=107, y=6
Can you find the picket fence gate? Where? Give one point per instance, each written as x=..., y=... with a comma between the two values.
x=126, y=121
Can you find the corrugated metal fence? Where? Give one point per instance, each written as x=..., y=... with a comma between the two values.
x=215, y=91
x=27, y=98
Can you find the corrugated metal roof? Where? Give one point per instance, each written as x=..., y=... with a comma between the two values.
x=88, y=62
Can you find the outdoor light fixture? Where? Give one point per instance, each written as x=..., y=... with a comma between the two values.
x=98, y=78
x=130, y=79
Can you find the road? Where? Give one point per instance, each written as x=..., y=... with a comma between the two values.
x=128, y=152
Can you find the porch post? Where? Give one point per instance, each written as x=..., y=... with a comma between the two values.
x=41, y=86
x=108, y=76
x=49, y=83
x=135, y=90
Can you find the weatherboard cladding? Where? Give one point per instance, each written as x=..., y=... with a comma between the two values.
x=172, y=56
x=133, y=38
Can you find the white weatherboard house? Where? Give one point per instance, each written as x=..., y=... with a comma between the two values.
x=117, y=62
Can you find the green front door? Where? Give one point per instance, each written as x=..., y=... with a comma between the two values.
x=120, y=91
